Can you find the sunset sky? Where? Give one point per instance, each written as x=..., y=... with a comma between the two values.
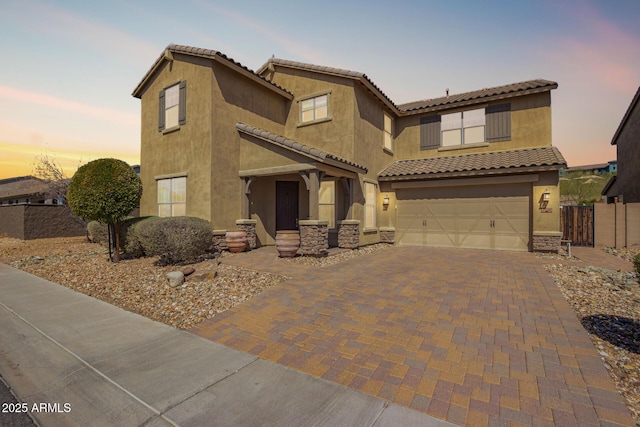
x=69, y=67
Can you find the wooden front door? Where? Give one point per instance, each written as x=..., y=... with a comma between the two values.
x=286, y=205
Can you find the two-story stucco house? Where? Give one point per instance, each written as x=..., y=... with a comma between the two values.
x=325, y=151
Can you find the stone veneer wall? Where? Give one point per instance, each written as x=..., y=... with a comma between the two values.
x=248, y=225
x=387, y=235
x=314, y=237
x=349, y=234
x=547, y=242
x=219, y=240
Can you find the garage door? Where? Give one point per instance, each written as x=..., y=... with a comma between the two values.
x=483, y=217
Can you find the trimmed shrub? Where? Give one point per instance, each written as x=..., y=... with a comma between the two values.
x=97, y=232
x=129, y=242
x=177, y=240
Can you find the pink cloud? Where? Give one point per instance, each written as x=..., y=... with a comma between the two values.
x=53, y=102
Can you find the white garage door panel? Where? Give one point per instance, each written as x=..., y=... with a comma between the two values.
x=498, y=220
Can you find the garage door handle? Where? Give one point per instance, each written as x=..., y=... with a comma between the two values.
x=424, y=222
x=492, y=223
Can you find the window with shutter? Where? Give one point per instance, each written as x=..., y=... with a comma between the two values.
x=498, y=118
x=172, y=111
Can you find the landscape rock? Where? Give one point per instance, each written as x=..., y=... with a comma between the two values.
x=188, y=271
x=175, y=278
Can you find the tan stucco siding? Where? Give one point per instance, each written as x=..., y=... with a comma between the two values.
x=530, y=127
x=186, y=150
x=335, y=135
x=546, y=218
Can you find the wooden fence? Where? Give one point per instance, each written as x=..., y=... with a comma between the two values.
x=576, y=224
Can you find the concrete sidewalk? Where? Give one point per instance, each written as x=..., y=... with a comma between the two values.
x=75, y=360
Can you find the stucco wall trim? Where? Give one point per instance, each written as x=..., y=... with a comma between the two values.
x=171, y=175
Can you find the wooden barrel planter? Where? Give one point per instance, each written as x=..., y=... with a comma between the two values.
x=236, y=240
x=287, y=243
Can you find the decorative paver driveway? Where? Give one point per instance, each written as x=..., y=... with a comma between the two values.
x=473, y=337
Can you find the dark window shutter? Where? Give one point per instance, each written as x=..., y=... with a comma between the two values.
x=498, y=122
x=161, y=112
x=429, y=132
x=182, y=106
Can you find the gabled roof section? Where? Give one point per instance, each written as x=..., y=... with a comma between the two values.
x=355, y=75
x=477, y=96
x=635, y=100
x=295, y=146
x=22, y=186
x=167, y=55
x=497, y=163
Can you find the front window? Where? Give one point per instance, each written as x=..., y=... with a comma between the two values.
x=327, y=202
x=370, y=190
x=388, y=132
x=172, y=197
x=463, y=128
x=313, y=109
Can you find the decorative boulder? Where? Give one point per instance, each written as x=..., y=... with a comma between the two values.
x=176, y=278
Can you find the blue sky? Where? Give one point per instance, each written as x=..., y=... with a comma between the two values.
x=69, y=67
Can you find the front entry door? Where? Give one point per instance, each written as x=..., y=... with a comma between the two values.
x=286, y=205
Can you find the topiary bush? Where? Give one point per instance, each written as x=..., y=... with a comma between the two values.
x=97, y=232
x=177, y=240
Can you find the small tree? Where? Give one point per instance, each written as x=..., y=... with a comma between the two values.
x=105, y=190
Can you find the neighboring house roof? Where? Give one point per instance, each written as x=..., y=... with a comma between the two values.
x=167, y=55
x=356, y=75
x=482, y=95
x=589, y=167
x=635, y=100
x=300, y=148
x=609, y=188
x=21, y=186
x=527, y=160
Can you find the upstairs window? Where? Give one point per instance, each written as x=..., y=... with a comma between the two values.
x=172, y=106
x=314, y=109
x=462, y=128
x=388, y=132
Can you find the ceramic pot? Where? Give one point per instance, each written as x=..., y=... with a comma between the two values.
x=287, y=243
x=236, y=240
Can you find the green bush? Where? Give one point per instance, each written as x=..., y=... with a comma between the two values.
x=636, y=264
x=177, y=240
x=97, y=232
x=129, y=241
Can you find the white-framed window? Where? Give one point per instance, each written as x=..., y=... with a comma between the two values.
x=172, y=196
x=313, y=109
x=466, y=127
x=327, y=202
x=172, y=106
x=388, y=132
x=370, y=191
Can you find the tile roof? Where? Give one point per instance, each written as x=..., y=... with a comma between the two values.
x=356, y=75
x=486, y=94
x=203, y=53
x=534, y=159
x=298, y=147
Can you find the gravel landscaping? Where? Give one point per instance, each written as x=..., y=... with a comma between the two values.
x=606, y=302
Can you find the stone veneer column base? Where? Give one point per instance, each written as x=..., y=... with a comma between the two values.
x=349, y=234
x=219, y=240
x=249, y=226
x=546, y=241
x=314, y=237
x=387, y=235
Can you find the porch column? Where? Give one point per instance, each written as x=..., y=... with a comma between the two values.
x=312, y=179
x=347, y=184
x=244, y=209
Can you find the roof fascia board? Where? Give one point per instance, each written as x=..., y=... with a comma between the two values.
x=472, y=173
x=505, y=179
x=636, y=97
x=252, y=76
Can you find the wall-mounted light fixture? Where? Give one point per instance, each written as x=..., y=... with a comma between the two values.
x=546, y=196
x=385, y=201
